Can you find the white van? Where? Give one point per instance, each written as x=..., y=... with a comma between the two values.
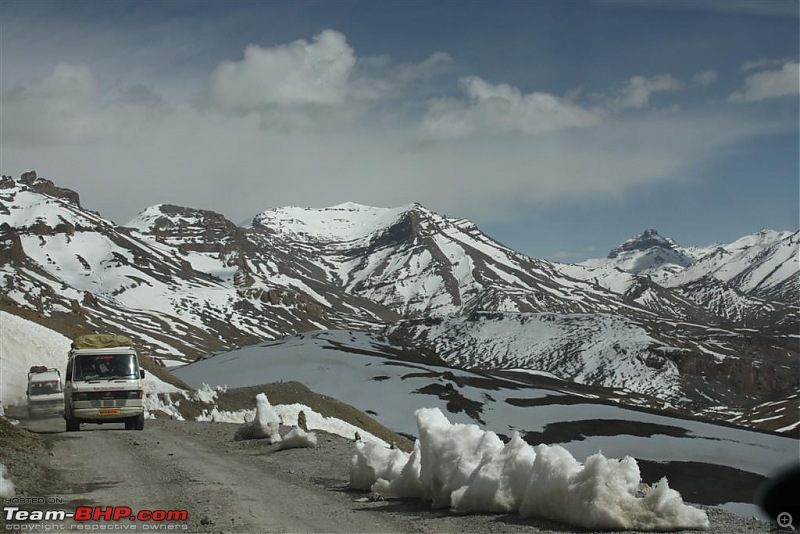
x=103, y=383
x=45, y=393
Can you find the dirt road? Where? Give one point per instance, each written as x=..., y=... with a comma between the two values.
x=246, y=486
x=173, y=466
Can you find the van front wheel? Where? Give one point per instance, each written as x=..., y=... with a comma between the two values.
x=139, y=422
x=73, y=425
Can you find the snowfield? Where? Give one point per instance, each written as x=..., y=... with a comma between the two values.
x=594, y=349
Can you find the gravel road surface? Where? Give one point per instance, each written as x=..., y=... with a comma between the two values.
x=246, y=486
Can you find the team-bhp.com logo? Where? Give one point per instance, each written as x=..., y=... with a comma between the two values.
x=87, y=517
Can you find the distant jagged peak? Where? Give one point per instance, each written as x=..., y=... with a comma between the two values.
x=650, y=253
x=33, y=182
x=36, y=205
x=161, y=218
x=648, y=239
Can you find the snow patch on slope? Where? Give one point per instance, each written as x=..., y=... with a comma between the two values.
x=343, y=223
x=24, y=343
x=594, y=349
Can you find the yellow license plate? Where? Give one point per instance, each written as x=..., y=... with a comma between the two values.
x=108, y=411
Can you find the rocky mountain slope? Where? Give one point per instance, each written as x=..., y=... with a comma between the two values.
x=764, y=264
x=753, y=282
x=188, y=282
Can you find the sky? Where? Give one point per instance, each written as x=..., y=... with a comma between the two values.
x=560, y=128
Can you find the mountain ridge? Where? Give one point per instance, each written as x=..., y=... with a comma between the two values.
x=188, y=282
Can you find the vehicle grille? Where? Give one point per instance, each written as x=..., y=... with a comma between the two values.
x=109, y=403
x=106, y=395
x=46, y=404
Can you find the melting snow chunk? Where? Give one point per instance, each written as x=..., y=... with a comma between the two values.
x=265, y=425
x=298, y=438
x=470, y=470
x=6, y=486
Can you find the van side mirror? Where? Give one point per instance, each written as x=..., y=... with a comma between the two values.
x=141, y=373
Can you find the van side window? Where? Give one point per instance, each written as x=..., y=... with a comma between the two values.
x=68, y=376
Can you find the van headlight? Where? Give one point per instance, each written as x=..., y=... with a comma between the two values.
x=138, y=394
x=80, y=396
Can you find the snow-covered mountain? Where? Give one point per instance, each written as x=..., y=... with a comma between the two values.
x=753, y=282
x=187, y=282
x=764, y=265
x=419, y=263
x=594, y=349
x=184, y=281
x=649, y=254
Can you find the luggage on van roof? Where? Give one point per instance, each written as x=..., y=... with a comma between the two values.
x=101, y=341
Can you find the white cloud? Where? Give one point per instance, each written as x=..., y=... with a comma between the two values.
x=381, y=77
x=295, y=74
x=572, y=254
x=231, y=164
x=68, y=106
x=499, y=108
x=705, y=78
x=770, y=84
x=762, y=63
x=636, y=92
x=425, y=69
x=124, y=148
x=67, y=81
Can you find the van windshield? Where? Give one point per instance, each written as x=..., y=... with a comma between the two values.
x=105, y=366
x=45, y=388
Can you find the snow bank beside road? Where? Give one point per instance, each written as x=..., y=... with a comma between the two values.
x=287, y=413
x=470, y=470
x=24, y=343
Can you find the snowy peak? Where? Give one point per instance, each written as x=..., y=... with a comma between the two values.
x=418, y=262
x=763, y=265
x=193, y=229
x=40, y=207
x=764, y=237
x=43, y=186
x=648, y=253
x=343, y=223
x=648, y=239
